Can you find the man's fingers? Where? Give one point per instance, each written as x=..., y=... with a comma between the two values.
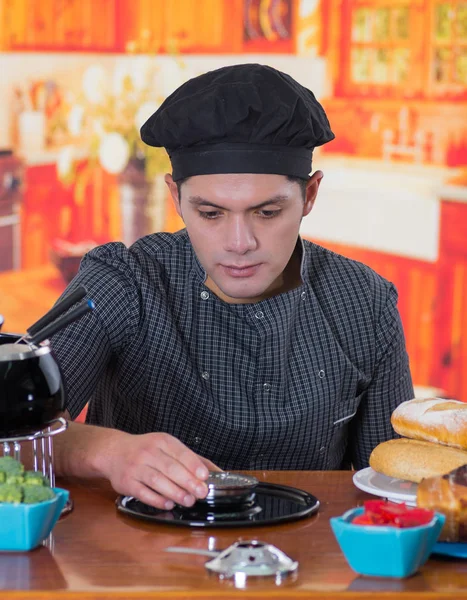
x=150, y=497
x=160, y=483
x=163, y=469
x=210, y=465
x=177, y=472
x=189, y=459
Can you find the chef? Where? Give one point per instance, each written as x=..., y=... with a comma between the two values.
x=233, y=343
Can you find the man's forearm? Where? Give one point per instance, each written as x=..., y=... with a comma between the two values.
x=84, y=450
x=155, y=467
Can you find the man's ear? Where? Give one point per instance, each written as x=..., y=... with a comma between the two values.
x=173, y=189
x=312, y=191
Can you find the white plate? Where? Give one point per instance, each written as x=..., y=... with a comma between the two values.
x=377, y=484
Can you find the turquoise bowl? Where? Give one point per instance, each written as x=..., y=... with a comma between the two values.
x=383, y=551
x=25, y=526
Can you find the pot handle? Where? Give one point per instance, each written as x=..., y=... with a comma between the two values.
x=57, y=310
x=49, y=330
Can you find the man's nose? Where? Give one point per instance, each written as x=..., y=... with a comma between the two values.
x=239, y=237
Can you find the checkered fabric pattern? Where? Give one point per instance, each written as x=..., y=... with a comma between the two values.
x=303, y=380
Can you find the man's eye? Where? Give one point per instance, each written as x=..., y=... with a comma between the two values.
x=209, y=214
x=269, y=214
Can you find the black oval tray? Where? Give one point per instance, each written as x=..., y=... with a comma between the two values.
x=273, y=504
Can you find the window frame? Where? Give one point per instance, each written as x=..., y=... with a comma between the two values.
x=421, y=43
x=436, y=90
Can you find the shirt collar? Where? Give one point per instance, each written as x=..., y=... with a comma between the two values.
x=304, y=261
x=197, y=266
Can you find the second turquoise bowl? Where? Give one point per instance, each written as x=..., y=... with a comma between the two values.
x=384, y=551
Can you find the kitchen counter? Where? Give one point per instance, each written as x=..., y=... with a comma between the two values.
x=97, y=553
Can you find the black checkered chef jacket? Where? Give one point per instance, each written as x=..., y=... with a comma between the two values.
x=303, y=380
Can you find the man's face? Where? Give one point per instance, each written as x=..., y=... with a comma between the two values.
x=243, y=228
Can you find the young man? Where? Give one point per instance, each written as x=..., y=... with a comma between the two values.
x=232, y=341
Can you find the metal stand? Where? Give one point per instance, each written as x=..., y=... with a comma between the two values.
x=42, y=450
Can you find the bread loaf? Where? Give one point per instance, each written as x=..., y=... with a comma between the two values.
x=447, y=494
x=414, y=460
x=433, y=420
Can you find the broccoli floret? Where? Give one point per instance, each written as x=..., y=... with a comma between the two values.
x=17, y=486
x=35, y=478
x=14, y=478
x=8, y=464
x=35, y=493
x=11, y=471
x=10, y=493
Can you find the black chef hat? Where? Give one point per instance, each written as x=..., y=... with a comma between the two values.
x=239, y=119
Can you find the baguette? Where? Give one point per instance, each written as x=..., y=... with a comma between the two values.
x=414, y=460
x=432, y=420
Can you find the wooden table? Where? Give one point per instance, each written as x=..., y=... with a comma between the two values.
x=97, y=553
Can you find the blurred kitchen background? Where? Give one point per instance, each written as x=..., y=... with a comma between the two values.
x=79, y=77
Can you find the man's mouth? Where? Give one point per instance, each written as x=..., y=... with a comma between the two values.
x=241, y=270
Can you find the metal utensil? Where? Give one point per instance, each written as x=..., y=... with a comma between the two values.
x=57, y=310
x=245, y=559
x=60, y=323
x=184, y=550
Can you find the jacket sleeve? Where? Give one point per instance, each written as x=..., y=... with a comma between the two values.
x=390, y=385
x=84, y=348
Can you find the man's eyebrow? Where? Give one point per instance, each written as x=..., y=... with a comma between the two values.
x=200, y=201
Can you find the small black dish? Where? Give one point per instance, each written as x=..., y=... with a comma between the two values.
x=273, y=503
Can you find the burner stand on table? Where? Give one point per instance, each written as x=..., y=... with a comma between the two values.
x=42, y=451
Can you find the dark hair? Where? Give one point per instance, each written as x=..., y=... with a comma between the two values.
x=301, y=182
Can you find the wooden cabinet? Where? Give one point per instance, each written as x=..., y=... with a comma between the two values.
x=53, y=211
x=86, y=25
x=151, y=26
x=11, y=176
x=450, y=369
x=183, y=25
x=39, y=222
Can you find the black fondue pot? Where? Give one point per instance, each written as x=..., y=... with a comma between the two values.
x=32, y=392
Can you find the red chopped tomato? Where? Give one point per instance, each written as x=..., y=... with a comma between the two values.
x=414, y=518
x=382, y=512
x=363, y=520
x=374, y=505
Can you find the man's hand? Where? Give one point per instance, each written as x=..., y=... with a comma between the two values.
x=157, y=469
